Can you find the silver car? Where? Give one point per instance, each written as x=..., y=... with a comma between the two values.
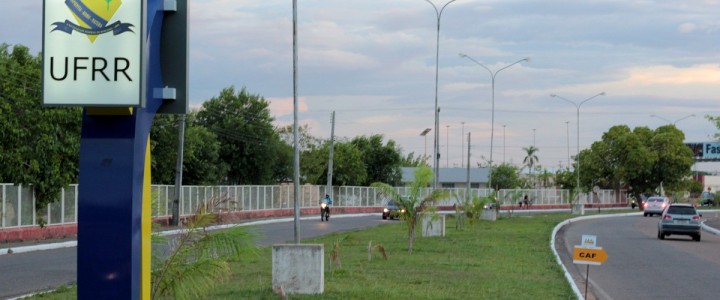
x=655, y=205
x=680, y=218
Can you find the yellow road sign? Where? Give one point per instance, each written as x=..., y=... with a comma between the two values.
x=589, y=256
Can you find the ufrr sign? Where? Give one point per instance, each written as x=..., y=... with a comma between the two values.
x=93, y=52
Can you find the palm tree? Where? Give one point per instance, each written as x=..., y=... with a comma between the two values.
x=531, y=158
x=545, y=177
x=414, y=203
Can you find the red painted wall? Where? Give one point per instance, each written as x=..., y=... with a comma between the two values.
x=70, y=230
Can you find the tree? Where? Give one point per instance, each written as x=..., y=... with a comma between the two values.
x=505, y=176
x=641, y=158
x=202, y=164
x=305, y=139
x=39, y=146
x=674, y=157
x=530, y=158
x=201, y=152
x=163, y=148
x=565, y=179
x=348, y=166
x=411, y=161
x=198, y=259
x=715, y=120
x=413, y=203
x=382, y=162
x=249, y=143
x=545, y=177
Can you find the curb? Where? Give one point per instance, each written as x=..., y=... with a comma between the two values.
x=557, y=256
x=583, y=218
x=69, y=244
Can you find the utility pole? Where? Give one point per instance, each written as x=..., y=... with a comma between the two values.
x=467, y=183
x=447, y=144
x=178, y=172
x=296, y=145
x=328, y=189
x=462, y=146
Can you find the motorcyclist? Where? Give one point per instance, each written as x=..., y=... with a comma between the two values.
x=327, y=200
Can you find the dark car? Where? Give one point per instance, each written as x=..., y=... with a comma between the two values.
x=682, y=219
x=392, y=210
x=708, y=199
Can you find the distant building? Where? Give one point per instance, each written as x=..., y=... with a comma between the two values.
x=452, y=177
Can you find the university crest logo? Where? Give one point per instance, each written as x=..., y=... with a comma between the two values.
x=93, y=18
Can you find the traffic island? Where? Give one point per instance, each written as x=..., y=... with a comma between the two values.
x=298, y=269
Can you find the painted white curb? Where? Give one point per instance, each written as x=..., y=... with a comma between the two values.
x=557, y=256
x=568, y=221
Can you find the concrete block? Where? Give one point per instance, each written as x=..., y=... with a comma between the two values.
x=489, y=214
x=298, y=268
x=578, y=209
x=433, y=226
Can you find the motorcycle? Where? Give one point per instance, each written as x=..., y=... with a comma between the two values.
x=324, y=212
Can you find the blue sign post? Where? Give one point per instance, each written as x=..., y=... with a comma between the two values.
x=115, y=59
x=113, y=225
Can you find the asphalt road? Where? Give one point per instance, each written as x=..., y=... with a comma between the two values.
x=639, y=265
x=26, y=273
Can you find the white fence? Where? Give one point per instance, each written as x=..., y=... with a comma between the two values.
x=17, y=203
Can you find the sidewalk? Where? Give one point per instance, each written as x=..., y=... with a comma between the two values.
x=711, y=217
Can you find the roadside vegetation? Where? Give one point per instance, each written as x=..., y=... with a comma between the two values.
x=506, y=259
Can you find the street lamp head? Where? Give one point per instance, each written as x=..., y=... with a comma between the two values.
x=553, y=95
x=425, y=132
x=463, y=55
x=527, y=59
x=602, y=94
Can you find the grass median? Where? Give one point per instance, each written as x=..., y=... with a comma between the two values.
x=506, y=259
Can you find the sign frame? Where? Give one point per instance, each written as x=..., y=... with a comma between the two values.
x=598, y=258
x=103, y=53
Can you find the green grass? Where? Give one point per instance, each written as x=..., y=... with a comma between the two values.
x=505, y=259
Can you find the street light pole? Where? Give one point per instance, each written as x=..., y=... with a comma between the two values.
x=436, y=159
x=424, y=133
x=534, y=137
x=492, y=119
x=504, y=143
x=296, y=147
x=447, y=146
x=567, y=127
x=670, y=122
x=577, y=106
x=462, y=146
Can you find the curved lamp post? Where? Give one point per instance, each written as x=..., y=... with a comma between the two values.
x=424, y=133
x=577, y=105
x=436, y=148
x=671, y=122
x=492, y=122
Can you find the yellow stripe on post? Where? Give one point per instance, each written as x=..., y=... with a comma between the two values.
x=109, y=111
x=146, y=228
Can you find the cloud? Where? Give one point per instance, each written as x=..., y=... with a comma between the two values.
x=659, y=81
x=285, y=106
x=687, y=27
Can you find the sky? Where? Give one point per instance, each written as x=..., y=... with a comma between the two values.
x=373, y=63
